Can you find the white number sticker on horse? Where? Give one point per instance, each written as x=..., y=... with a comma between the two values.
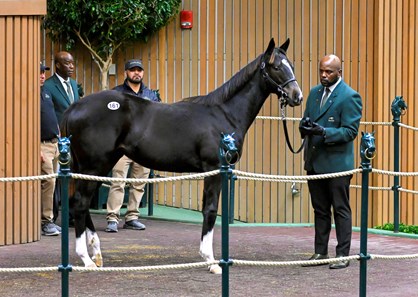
x=113, y=105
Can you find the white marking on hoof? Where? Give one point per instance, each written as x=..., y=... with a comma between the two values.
x=98, y=259
x=92, y=265
x=81, y=250
x=94, y=242
x=215, y=269
x=206, y=251
x=206, y=247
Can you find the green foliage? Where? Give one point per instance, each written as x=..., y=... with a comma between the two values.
x=402, y=228
x=105, y=25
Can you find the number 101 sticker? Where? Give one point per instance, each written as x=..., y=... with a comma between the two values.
x=113, y=105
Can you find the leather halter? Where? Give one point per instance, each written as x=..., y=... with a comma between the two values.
x=281, y=93
x=283, y=96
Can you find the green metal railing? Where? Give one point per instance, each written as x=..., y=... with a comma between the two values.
x=398, y=107
x=367, y=168
x=64, y=176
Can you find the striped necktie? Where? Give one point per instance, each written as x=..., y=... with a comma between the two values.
x=70, y=94
x=325, y=97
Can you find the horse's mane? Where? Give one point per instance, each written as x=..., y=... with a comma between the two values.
x=229, y=88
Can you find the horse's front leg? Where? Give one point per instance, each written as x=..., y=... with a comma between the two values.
x=211, y=191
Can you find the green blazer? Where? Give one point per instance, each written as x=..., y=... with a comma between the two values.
x=59, y=94
x=340, y=117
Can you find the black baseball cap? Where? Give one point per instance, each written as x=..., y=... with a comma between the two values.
x=133, y=63
x=44, y=67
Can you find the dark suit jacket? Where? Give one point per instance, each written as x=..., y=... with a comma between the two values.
x=59, y=94
x=341, y=119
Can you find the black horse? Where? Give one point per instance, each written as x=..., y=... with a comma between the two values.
x=179, y=137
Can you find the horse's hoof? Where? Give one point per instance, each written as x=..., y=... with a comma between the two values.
x=92, y=265
x=98, y=259
x=215, y=269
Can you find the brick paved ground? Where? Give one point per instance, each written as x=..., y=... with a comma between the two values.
x=167, y=242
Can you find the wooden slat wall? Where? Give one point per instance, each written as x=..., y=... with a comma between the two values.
x=396, y=74
x=19, y=129
x=377, y=43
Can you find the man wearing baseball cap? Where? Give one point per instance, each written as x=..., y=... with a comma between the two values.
x=43, y=69
x=134, y=71
x=133, y=63
x=49, y=155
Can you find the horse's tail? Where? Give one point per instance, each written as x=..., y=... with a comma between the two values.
x=64, y=124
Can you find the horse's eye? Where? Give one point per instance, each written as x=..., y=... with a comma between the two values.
x=276, y=67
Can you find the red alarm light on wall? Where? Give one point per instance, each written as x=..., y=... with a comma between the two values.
x=186, y=19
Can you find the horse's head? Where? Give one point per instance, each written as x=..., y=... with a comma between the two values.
x=278, y=71
x=228, y=150
x=398, y=106
x=367, y=146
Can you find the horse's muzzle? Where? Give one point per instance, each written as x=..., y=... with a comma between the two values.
x=296, y=100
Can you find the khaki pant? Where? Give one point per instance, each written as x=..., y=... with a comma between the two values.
x=49, y=166
x=117, y=190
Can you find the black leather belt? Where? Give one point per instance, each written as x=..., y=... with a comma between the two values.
x=53, y=140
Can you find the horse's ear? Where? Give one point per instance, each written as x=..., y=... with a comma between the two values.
x=269, y=54
x=362, y=133
x=285, y=45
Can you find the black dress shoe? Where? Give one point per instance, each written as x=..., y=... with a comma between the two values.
x=316, y=257
x=339, y=265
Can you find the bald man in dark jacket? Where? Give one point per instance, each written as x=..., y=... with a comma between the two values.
x=330, y=123
x=63, y=88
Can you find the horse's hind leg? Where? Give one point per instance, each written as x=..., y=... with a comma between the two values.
x=82, y=220
x=82, y=252
x=93, y=242
x=212, y=188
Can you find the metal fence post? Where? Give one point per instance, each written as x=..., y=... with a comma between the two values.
x=64, y=174
x=150, y=194
x=227, y=153
x=398, y=105
x=367, y=152
x=232, y=196
x=225, y=261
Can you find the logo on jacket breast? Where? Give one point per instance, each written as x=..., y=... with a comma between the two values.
x=331, y=119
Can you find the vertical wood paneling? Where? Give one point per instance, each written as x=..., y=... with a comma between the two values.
x=304, y=78
x=369, y=36
x=3, y=186
x=24, y=152
x=19, y=129
x=195, y=193
x=272, y=145
x=9, y=132
x=16, y=123
x=410, y=42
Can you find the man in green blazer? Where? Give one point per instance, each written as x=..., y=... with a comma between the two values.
x=330, y=123
x=62, y=87
x=64, y=92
